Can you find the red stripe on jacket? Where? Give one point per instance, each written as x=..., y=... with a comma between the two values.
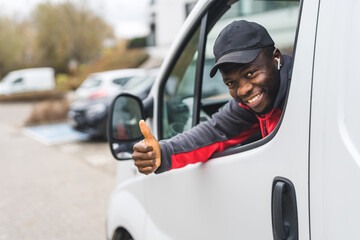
x=267, y=124
x=182, y=159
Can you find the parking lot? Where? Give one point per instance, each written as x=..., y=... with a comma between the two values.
x=56, y=190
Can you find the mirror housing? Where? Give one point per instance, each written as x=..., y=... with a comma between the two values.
x=125, y=113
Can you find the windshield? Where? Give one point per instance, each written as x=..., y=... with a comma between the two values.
x=8, y=77
x=121, y=81
x=142, y=81
x=91, y=82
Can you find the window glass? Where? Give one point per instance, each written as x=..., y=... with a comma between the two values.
x=8, y=77
x=121, y=81
x=278, y=17
x=271, y=15
x=91, y=82
x=142, y=81
x=18, y=80
x=178, y=96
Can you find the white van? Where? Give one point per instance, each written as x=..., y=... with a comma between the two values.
x=26, y=80
x=299, y=182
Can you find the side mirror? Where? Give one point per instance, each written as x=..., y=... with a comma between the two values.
x=124, y=131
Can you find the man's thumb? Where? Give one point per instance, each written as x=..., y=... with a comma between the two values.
x=145, y=130
x=150, y=140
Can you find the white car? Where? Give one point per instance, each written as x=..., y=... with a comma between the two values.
x=104, y=84
x=91, y=115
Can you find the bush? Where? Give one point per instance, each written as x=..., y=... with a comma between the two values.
x=139, y=42
x=48, y=111
x=33, y=96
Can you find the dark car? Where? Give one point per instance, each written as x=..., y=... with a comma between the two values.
x=90, y=115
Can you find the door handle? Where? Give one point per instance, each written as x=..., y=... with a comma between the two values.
x=284, y=210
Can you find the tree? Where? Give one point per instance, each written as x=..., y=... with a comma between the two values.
x=11, y=45
x=66, y=32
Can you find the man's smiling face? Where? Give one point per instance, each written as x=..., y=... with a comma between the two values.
x=254, y=84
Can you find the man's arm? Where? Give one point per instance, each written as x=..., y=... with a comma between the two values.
x=230, y=126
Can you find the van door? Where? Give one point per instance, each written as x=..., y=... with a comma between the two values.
x=256, y=191
x=18, y=85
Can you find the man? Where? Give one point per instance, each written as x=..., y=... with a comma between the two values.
x=257, y=76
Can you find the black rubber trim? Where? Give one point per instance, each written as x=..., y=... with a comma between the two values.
x=166, y=76
x=310, y=117
x=199, y=71
x=211, y=10
x=265, y=140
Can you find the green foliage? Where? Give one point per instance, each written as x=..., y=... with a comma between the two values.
x=67, y=32
x=139, y=42
x=13, y=44
x=68, y=38
x=62, y=80
x=56, y=35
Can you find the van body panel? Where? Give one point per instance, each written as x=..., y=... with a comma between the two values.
x=230, y=196
x=127, y=206
x=25, y=80
x=335, y=129
x=316, y=147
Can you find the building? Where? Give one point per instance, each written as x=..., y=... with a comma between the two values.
x=166, y=19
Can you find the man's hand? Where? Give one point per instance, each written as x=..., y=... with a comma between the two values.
x=147, y=153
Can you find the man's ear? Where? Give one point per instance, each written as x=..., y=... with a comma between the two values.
x=277, y=56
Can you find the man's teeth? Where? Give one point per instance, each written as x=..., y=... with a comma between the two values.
x=254, y=98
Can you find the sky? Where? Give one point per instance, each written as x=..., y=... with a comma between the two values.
x=128, y=17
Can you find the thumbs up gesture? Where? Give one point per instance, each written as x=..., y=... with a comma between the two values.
x=147, y=153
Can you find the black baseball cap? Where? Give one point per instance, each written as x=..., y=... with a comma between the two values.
x=240, y=42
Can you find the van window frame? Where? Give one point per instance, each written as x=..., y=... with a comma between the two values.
x=18, y=81
x=203, y=24
x=262, y=141
x=208, y=19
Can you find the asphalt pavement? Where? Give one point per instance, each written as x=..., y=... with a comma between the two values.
x=51, y=191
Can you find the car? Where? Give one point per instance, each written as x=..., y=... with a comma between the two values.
x=299, y=182
x=106, y=83
x=90, y=115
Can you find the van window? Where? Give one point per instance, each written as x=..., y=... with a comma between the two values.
x=143, y=81
x=121, y=81
x=91, y=82
x=179, y=91
x=18, y=81
x=262, y=12
x=178, y=96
